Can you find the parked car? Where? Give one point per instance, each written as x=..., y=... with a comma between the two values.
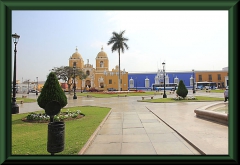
x=112, y=89
x=93, y=90
x=33, y=91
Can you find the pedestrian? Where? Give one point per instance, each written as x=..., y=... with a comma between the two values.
x=226, y=95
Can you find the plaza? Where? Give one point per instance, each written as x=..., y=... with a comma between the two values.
x=136, y=128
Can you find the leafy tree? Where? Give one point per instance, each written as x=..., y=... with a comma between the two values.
x=52, y=91
x=182, y=90
x=66, y=74
x=119, y=44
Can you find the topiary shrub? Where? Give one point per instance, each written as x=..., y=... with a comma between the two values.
x=52, y=91
x=182, y=90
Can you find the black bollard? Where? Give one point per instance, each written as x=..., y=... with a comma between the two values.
x=56, y=132
x=56, y=135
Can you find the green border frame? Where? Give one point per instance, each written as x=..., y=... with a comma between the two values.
x=6, y=6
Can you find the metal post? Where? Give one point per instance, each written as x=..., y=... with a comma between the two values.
x=193, y=82
x=28, y=87
x=74, y=84
x=136, y=83
x=37, y=87
x=15, y=107
x=164, y=94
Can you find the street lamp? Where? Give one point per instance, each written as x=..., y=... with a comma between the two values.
x=15, y=107
x=164, y=94
x=74, y=84
x=37, y=87
x=105, y=83
x=123, y=73
x=28, y=87
x=136, y=83
x=193, y=82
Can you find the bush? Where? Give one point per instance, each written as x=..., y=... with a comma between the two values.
x=182, y=90
x=52, y=91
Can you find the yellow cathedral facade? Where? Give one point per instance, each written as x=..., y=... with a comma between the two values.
x=99, y=77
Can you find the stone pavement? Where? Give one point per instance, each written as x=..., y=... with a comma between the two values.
x=135, y=128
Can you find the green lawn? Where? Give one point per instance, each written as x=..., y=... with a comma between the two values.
x=31, y=138
x=171, y=100
x=25, y=100
x=212, y=91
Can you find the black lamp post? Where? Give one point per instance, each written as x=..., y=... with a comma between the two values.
x=28, y=87
x=193, y=82
x=136, y=83
x=164, y=94
x=74, y=84
x=15, y=107
x=37, y=87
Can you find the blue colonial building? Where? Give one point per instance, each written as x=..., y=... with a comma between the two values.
x=144, y=81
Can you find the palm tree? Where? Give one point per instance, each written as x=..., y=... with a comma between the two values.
x=119, y=44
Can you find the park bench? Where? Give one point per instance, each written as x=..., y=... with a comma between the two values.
x=89, y=96
x=208, y=91
x=24, y=96
x=147, y=96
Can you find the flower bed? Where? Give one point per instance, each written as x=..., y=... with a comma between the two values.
x=121, y=92
x=186, y=98
x=43, y=117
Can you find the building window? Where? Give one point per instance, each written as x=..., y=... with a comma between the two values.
x=110, y=81
x=87, y=72
x=219, y=76
x=101, y=64
x=74, y=63
x=200, y=77
x=209, y=77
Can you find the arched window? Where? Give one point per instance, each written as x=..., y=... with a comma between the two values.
x=74, y=63
x=101, y=64
x=88, y=72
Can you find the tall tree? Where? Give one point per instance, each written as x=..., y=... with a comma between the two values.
x=66, y=74
x=119, y=44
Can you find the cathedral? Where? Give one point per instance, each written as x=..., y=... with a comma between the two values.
x=99, y=77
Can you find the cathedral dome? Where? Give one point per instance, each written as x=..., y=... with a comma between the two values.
x=102, y=54
x=76, y=55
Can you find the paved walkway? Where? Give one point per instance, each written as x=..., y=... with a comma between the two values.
x=134, y=127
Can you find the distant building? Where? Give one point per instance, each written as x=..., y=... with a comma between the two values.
x=139, y=80
x=100, y=77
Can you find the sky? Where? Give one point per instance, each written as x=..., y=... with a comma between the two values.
x=184, y=40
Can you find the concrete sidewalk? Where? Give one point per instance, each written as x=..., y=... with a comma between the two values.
x=135, y=128
x=158, y=129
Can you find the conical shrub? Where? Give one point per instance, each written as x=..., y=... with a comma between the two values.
x=182, y=90
x=52, y=91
